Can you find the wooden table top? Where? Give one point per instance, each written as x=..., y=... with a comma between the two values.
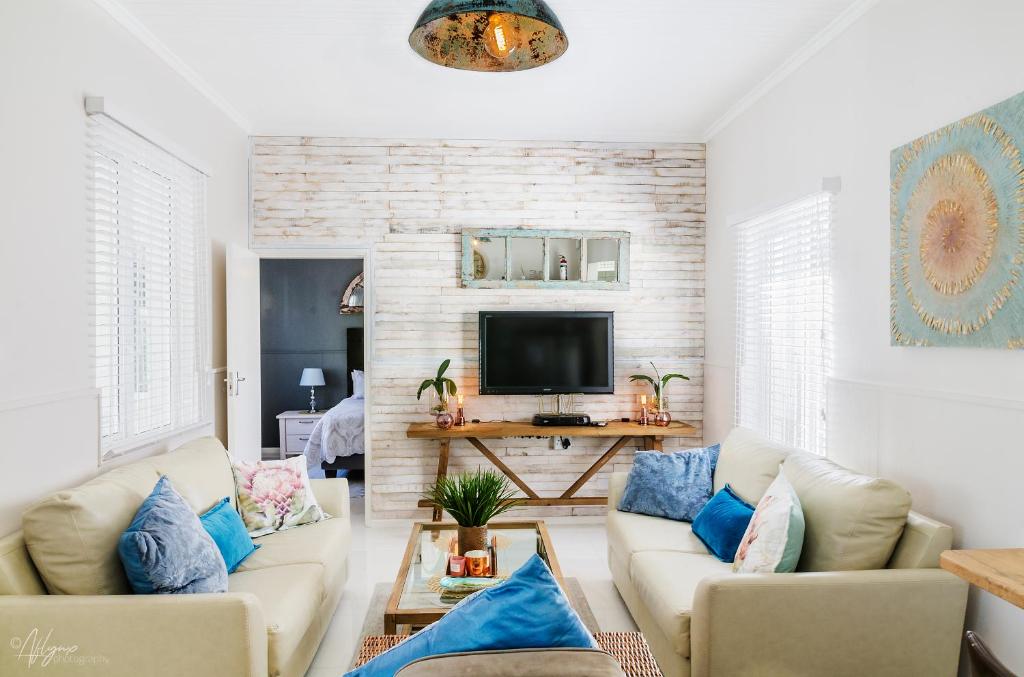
x=500, y=429
x=1000, y=572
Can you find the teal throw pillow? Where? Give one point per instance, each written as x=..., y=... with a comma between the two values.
x=227, y=530
x=722, y=522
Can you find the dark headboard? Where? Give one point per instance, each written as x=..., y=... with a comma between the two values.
x=354, y=336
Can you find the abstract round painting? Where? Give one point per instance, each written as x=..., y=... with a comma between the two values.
x=958, y=233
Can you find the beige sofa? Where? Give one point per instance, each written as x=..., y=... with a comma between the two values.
x=902, y=618
x=66, y=592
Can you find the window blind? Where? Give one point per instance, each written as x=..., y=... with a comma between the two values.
x=150, y=287
x=784, y=322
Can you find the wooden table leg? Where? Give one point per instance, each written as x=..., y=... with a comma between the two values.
x=442, y=471
x=390, y=627
x=654, y=444
x=585, y=477
x=489, y=455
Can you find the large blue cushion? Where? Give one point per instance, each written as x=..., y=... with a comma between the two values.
x=528, y=611
x=721, y=524
x=166, y=550
x=675, y=486
x=227, y=530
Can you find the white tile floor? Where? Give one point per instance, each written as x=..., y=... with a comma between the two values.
x=375, y=556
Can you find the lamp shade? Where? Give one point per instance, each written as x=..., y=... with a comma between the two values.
x=312, y=377
x=489, y=35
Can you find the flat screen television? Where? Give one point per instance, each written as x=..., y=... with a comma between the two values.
x=547, y=353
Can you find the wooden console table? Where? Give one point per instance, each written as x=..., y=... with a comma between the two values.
x=650, y=436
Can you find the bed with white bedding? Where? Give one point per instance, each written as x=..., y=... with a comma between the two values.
x=338, y=434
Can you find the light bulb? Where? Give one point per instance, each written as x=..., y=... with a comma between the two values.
x=501, y=39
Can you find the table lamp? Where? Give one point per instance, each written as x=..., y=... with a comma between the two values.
x=311, y=378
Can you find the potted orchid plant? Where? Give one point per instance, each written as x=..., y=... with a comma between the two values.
x=660, y=385
x=444, y=388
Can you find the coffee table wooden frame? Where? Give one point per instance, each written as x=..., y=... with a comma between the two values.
x=416, y=618
x=651, y=438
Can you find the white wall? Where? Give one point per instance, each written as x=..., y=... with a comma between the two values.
x=944, y=422
x=409, y=202
x=53, y=52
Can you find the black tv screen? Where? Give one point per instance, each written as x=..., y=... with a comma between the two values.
x=542, y=353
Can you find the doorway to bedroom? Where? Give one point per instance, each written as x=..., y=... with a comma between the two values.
x=312, y=366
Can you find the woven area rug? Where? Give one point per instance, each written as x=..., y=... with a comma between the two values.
x=374, y=622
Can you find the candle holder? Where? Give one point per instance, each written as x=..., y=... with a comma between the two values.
x=644, y=416
x=460, y=417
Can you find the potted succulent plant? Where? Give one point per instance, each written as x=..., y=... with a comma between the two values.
x=473, y=499
x=660, y=385
x=444, y=388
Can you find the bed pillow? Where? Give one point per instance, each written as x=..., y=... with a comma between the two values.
x=165, y=549
x=275, y=495
x=358, y=384
x=721, y=524
x=676, y=486
x=227, y=530
x=528, y=611
x=775, y=535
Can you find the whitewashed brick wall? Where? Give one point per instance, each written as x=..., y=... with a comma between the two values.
x=410, y=200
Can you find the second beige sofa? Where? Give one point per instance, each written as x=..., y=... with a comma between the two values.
x=903, y=618
x=62, y=578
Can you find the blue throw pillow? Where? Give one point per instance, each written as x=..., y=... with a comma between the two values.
x=721, y=524
x=227, y=530
x=166, y=550
x=675, y=486
x=528, y=611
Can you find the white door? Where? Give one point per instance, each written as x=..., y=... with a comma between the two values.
x=243, y=376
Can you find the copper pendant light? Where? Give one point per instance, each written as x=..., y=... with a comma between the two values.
x=495, y=36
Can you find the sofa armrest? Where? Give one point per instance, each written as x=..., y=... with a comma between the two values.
x=207, y=635
x=616, y=485
x=332, y=495
x=886, y=622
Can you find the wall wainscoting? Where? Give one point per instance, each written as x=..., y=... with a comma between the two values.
x=408, y=201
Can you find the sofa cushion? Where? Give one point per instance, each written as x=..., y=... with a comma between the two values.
x=666, y=583
x=721, y=524
x=748, y=463
x=629, y=534
x=325, y=543
x=72, y=535
x=166, y=550
x=227, y=530
x=675, y=485
x=289, y=597
x=200, y=471
x=853, y=521
x=518, y=663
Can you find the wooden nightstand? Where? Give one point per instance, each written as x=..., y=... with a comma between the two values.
x=296, y=427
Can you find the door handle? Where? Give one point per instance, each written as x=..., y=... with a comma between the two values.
x=232, y=381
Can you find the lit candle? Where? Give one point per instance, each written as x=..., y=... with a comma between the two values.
x=461, y=398
x=643, y=400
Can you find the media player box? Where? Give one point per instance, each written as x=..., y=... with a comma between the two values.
x=554, y=420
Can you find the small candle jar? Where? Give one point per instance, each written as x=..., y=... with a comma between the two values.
x=457, y=566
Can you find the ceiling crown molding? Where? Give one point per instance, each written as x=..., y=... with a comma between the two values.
x=833, y=30
x=147, y=38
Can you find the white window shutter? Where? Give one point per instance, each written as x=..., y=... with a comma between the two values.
x=150, y=267
x=784, y=322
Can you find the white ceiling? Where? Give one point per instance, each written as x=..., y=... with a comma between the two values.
x=636, y=70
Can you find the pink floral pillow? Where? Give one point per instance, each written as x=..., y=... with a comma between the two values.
x=275, y=495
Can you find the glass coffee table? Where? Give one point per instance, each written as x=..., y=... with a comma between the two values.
x=415, y=600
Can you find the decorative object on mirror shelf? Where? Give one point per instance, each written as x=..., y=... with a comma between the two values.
x=312, y=378
x=563, y=268
x=660, y=383
x=957, y=252
x=489, y=35
x=443, y=388
x=354, y=298
x=473, y=499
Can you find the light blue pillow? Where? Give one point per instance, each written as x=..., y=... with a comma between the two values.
x=227, y=530
x=721, y=524
x=166, y=550
x=676, y=486
x=528, y=611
